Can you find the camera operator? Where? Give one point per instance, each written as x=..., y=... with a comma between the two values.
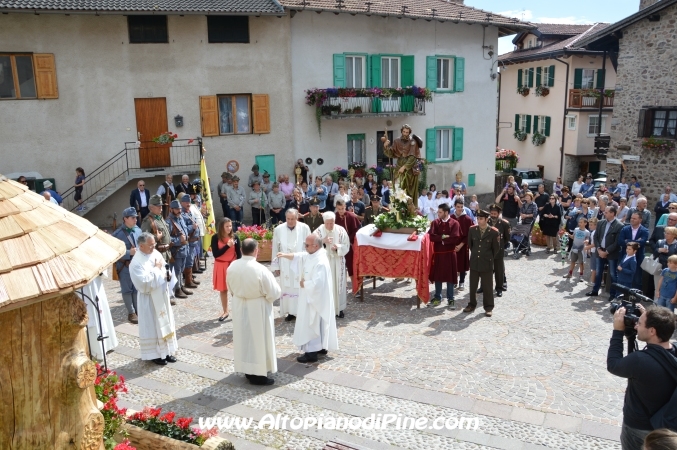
x=650, y=384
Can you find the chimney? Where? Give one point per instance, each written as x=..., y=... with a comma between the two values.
x=646, y=3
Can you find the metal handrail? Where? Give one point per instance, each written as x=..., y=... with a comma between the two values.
x=119, y=165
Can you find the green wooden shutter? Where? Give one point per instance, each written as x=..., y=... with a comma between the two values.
x=431, y=73
x=531, y=77
x=535, y=124
x=528, y=127
x=578, y=78
x=517, y=122
x=551, y=76
x=547, y=125
x=459, y=78
x=339, y=70
x=375, y=61
x=430, y=149
x=471, y=179
x=407, y=71
x=600, y=79
x=519, y=78
x=538, y=76
x=457, y=154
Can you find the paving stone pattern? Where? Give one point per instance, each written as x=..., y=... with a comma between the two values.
x=543, y=352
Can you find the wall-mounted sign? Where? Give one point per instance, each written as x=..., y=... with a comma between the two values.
x=630, y=157
x=613, y=161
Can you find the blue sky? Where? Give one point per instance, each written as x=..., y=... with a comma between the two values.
x=557, y=11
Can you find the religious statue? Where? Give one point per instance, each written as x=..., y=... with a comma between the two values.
x=407, y=150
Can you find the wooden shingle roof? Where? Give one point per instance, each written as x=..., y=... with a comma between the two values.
x=45, y=250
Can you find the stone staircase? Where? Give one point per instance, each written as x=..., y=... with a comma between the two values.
x=133, y=174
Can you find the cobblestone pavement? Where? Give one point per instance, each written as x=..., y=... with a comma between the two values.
x=534, y=373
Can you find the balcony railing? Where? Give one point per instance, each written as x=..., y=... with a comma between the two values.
x=590, y=98
x=347, y=107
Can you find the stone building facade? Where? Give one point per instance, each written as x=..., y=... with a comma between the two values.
x=645, y=85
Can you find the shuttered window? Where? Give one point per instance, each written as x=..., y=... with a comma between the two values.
x=445, y=74
x=27, y=76
x=391, y=71
x=235, y=114
x=444, y=144
x=542, y=125
x=655, y=122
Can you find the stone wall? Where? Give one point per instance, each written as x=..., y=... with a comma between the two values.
x=571, y=170
x=646, y=66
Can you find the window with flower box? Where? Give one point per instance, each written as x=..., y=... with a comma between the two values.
x=523, y=123
x=658, y=122
x=542, y=125
x=525, y=77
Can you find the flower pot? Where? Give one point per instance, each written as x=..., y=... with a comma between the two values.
x=525, y=92
x=147, y=440
x=265, y=251
x=538, y=238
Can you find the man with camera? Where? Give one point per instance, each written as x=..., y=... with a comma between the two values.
x=650, y=372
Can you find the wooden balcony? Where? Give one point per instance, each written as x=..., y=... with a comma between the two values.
x=582, y=98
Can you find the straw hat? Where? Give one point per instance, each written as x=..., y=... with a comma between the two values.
x=46, y=251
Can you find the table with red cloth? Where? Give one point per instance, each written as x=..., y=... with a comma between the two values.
x=370, y=259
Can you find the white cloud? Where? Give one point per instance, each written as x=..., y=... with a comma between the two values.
x=524, y=14
x=571, y=20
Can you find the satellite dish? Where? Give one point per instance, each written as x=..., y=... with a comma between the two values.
x=309, y=160
x=320, y=161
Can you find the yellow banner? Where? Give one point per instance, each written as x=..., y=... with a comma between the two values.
x=207, y=202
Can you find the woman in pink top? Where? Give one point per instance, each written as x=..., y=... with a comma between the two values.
x=226, y=249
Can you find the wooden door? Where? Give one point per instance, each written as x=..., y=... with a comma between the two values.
x=151, y=122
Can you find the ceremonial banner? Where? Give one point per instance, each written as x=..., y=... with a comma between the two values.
x=207, y=201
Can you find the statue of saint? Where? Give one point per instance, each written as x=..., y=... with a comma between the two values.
x=407, y=150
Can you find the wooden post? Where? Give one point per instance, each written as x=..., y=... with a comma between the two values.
x=47, y=398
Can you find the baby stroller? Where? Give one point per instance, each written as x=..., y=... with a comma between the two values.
x=520, y=237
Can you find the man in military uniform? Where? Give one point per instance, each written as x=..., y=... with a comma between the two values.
x=129, y=234
x=372, y=211
x=167, y=193
x=179, y=246
x=484, y=247
x=503, y=228
x=314, y=218
x=155, y=225
x=193, y=238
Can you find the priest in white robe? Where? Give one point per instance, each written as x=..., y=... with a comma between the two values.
x=157, y=330
x=315, y=329
x=254, y=290
x=288, y=238
x=337, y=243
x=101, y=323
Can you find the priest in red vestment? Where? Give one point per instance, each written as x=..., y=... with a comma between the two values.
x=351, y=223
x=462, y=251
x=445, y=234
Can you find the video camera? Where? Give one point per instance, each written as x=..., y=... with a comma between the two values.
x=631, y=295
x=629, y=301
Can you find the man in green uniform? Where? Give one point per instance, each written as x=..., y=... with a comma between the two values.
x=314, y=218
x=503, y=228
x=372, y=211
x=484, y=247
x=154, y=224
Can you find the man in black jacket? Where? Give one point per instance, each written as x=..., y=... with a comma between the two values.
x=608, y=251
x=650, y=382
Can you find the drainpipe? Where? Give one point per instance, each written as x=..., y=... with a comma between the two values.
x=564, y=122
x=601, y=95
x=498, y=117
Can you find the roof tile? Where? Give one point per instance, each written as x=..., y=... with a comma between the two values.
x=197, y=6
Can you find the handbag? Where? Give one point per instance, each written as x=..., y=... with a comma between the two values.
x=651, y=265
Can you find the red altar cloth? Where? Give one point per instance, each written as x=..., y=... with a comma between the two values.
x=373, y=261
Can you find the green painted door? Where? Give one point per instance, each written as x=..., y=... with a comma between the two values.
x=267, y=164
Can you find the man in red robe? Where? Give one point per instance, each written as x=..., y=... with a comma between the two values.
x=462, y=252
x=351, y=223
x=445, y=234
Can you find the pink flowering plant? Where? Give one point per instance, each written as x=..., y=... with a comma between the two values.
x=506, y=158
x=256, y=232
x=165, y=138
x=107, y=387
x=658, y=144
x=152, y=420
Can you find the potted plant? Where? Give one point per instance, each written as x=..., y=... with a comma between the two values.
x=658, y=144
x=537, y=236
x=538, y=139
x=262, y=234
x=591, y=93
x=609, y=93
x=542, y=91
x=523, y=90
x=165, y=138
x=520, y=135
